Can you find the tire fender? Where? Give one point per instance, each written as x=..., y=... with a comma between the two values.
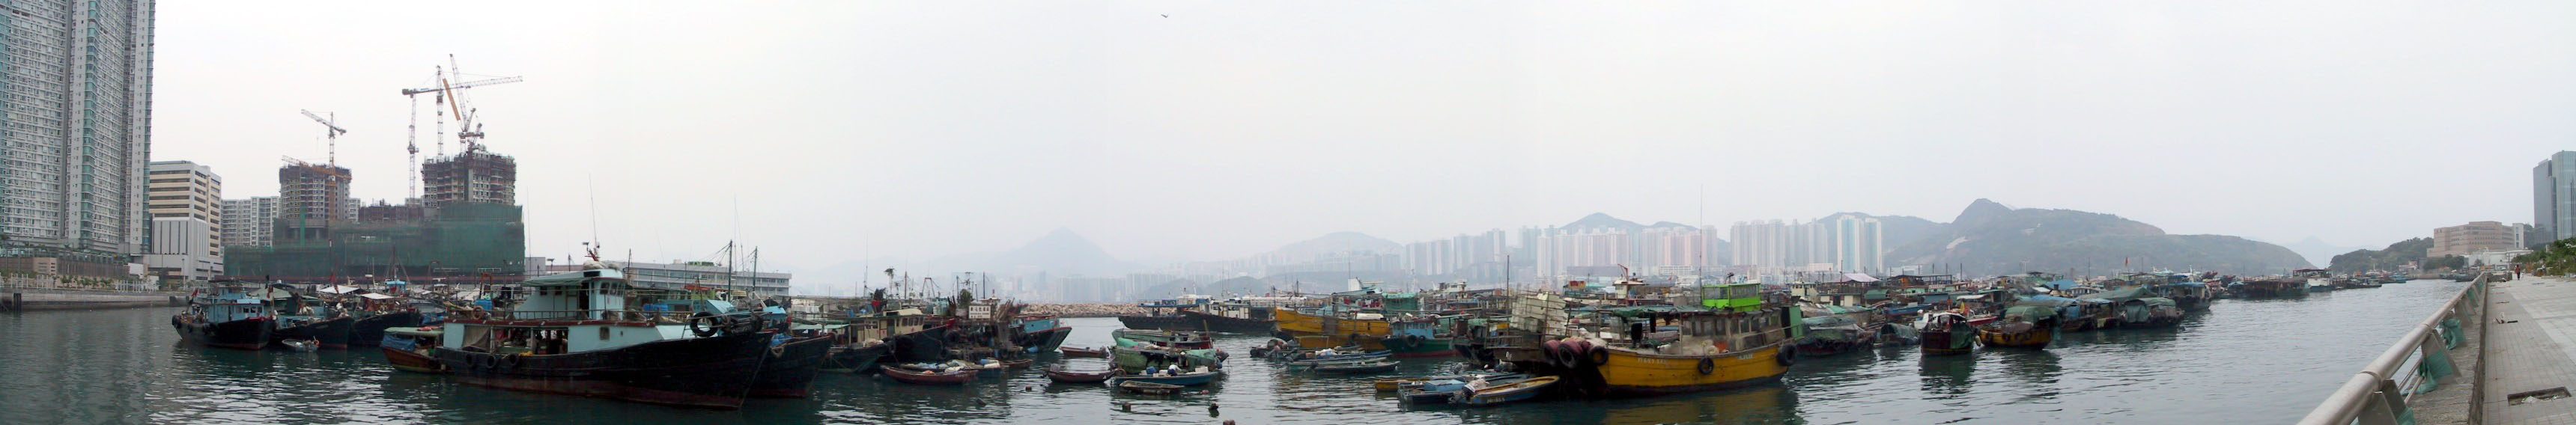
x=1707, y=366
x=1597, y=356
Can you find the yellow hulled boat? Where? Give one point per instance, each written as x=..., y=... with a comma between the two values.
x=1740, y=338
x=1312, y=331
x=1633, y=372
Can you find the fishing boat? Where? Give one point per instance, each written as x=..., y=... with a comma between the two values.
x=1370, y=366
x=1059, y=373
x=1392, y=384
x=1138, y=350
x=2025, y=324
x=1737, y=338
x=1417, y=338
x=1241, y=315
x=1830, y=335
x=1947, y=333
x=225, y=315
x=379, y=312
x=1149, y=388
x=1507, y=393
x=572, y=334
x=789, y=370
x=1898, y=335
x=929, y=377
x=1073, y=352
x=1165, y=315
x=1038, y=333
x=1018, y=364
x=408, y=349
x=2317, y=280
x=303, y=317
x=1432, y=392
x=1182, y=379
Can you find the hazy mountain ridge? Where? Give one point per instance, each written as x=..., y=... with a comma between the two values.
x=1991, y=238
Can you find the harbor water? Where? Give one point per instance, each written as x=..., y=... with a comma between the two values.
x=2243, y=361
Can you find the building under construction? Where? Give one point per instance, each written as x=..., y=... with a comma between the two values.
x=311, y=197
x=476, y=175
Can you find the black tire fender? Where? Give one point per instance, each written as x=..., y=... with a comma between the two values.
x=1597, y=356
x=1787, y=357
x=1707, y=366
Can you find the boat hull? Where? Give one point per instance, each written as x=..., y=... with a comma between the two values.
x=928, y=378
x=1634, y=373
x=1043, y=341
x=1312, y=331
x=1945, y=343
x=1420, y=348
x=713, y=372
x=246, y=334
x=332, y=332
x=1163, y=323
x=857, y=358
x=370, y=331
x=2037, y=337
x=1216, y=323
x=789, y=371
x=1181, y=380
x=409, y=361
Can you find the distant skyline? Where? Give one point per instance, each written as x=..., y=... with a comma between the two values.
x=831, y=132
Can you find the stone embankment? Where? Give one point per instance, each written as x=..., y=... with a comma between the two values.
x=1085, y=310
x=65, y=299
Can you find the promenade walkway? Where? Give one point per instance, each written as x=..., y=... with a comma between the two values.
x=2530, y=353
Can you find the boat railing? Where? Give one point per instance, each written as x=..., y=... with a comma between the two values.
x=2378, y=394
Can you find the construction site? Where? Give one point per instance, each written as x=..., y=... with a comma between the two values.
x=460, y=223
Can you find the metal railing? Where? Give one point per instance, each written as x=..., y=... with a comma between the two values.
x=2378, y=394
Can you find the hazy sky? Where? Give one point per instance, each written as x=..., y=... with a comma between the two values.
x=923, y=129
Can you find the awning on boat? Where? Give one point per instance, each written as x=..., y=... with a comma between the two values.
x=375, y=296
x=815, y=326
x=1858, y=277
x=335, y=289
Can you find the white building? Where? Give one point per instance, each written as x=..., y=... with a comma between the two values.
x=2553, y=196
x=184, y=200
x=250, y=221
x=77, y=131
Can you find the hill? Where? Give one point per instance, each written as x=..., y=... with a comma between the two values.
x=1334, y=243
x=1991, y=238
x=2396, y=254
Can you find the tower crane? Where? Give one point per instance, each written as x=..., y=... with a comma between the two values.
x=445, y=95
x=333, y=133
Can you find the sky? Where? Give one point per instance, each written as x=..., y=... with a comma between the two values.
x=827, y=132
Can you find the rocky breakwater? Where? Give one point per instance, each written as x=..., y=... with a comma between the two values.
x=1086, y=310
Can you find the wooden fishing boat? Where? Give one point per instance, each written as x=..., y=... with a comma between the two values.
x=789, y=370
x=1084, y=353
x=2027, y=324
x=224, y=314
x=1058, y=373
x=1186, y=379
x=1018, y=364
x=1724, y=352
x=1149, y=388
x=1506, y=393
x=908, y=376
x=1946, y=333
x=408, y=349
x=305, y=345
x=1374, y=366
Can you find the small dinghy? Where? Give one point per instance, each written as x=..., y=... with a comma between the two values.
x=1149, y=388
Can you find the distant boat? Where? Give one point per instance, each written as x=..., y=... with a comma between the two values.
x=1059, y=373
x=1946, y=333
x=1506, y=393
x=954, y=377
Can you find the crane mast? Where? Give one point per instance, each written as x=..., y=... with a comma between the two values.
x=447, y=99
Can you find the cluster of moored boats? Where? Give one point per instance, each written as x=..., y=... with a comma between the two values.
x=594, y=333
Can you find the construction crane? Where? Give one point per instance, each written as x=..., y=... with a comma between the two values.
x=446, y=96
x=333, y=133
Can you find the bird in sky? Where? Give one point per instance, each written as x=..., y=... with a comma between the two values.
x=1167, y=16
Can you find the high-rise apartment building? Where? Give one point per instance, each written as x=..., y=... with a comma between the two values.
x=185, y=242
x=250, y=221
x=1843, y=242
x=2553, y=196
x=311, y=198
x=77, y=130
x=476, y=175
x=1857, y=245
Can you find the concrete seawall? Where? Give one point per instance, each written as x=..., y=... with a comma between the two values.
x=21, y=299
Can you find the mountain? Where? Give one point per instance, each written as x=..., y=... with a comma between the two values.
x=1991, y=238
x=2396, y=254
x=1060, y=252
x=1334, y=243
x=2318, y=251
x=1603, y=221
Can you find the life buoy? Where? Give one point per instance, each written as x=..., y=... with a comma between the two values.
x=1707, y=366
x=705, y=325
x=1598, y=355
x=1788, y=356
x=1413, y=340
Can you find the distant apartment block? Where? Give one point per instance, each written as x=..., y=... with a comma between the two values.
x=2475, y=237
x=250, y=221
x=1843, y=242
x=186, y=241
x=312, y=197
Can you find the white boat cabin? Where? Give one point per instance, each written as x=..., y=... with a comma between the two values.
x=567, y=312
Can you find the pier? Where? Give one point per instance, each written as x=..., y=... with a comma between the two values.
x=20, y=299
x=2499, y=352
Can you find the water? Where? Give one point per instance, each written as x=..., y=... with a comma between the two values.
x=2263, y=361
